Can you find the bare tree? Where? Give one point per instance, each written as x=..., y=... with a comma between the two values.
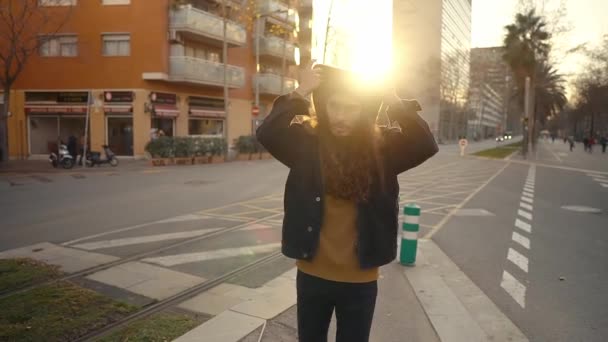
x=25, y=25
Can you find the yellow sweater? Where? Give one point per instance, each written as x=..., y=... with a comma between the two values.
x=336, y=258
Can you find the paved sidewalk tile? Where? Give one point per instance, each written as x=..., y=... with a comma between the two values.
x=229, y=326
x=219, y=299
x=146, y=280
x=68, y=259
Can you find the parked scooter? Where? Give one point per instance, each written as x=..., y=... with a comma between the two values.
x=94, y=158
x=63, y=158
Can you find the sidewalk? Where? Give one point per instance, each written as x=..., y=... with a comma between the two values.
x=43, y=166
x=433, y=301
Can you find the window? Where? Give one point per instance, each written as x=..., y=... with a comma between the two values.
x=65, y=46
x=115, y=2
x=116, y=44
x=205, y=127
x=56, y=2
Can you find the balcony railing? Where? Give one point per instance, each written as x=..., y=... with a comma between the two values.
x=276, y=47
x=271, y=84
x=276, y=9
x=195, y=21
x=200, y=71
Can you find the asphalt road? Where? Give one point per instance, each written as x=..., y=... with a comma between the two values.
x=560, y=266
x=121, y=213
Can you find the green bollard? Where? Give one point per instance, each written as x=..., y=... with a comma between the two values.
x=409, y=235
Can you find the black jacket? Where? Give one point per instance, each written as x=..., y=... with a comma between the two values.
x=377, y=220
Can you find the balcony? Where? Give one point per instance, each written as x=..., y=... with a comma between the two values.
x=200, y=71
x=276, y=47
x=270, y=84
x=196, y=24
x=277, y=10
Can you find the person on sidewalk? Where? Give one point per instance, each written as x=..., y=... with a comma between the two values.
x=341, y=195
x=604, y=142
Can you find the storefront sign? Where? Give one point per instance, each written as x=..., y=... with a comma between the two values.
x=163, y=98
x=206, y=102
x=118, y=96
x=57, y=97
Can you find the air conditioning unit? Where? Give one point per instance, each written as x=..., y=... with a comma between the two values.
x=175, y=37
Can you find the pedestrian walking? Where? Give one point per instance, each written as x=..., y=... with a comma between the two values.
x=586, y=143
x=341, y=195
x=571, y=142
x=603, y=142
x=590, y=146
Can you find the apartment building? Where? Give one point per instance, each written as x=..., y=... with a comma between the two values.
x=431, y=46
x=132, y=66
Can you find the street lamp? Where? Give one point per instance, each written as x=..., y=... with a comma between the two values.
x=259, y=32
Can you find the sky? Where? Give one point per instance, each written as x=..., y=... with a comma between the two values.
x=366, y=30
x=587, y=19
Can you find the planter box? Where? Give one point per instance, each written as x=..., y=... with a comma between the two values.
x=183, y=161
x=256, y=156
x=217, y=159
x=243, y=156
x=160, y=161
x=200, y=160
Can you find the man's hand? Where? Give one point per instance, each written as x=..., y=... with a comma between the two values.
x=310, y=80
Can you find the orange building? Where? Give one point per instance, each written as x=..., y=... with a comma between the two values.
x=139, y=65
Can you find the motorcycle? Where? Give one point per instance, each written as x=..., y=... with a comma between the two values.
x=94, y=158
x=62, y=158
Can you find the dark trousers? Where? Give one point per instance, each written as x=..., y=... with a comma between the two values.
x=354, y=304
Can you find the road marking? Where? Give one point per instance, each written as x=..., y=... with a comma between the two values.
x=518, y=259
x=137, y=240
x=514, y=288
x=600, y=180
x=524, y=214
x=555, y=155
x=526, y=206
x=523, y=225
x=178, y=259
x=448, y=216
x=604, y=185
x=529, y=189
x=558, y=167
x=520, y=239
x=582, y=209
x=527, y=199
x=529, y=194
x=256, y=226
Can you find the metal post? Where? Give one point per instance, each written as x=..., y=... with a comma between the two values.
x=527, y=116
x=284, y=57
x=257, y=61
x=225, y=60
x=86, y=131
x=409, y=235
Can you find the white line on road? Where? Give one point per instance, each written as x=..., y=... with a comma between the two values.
x=523, y=225
x=604, y=185
x=526, y=206
x=596, y=175
x=524, y=214
x=514, y=288
x=601, y=180
x=529, y=194
x=520, y=239
x=518, y=259
x=178, y=259
x=529, y=189
x=448, y=216
x=527, y=199
x=137, y=240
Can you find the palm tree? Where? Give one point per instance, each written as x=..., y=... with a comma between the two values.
x=550, y=91
x=526, y=46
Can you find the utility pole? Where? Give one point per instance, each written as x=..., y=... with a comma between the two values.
x=257, y=59
x=527, y=100
x=225, y=60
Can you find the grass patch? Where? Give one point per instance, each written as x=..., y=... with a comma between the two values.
x=500, y=152
x=19, y=273
x=158, y=327
x=57, y=312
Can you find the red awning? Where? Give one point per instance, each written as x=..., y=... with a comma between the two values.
x=166, y=111
x=118, y=109
x=52, y=109
x=207, y=113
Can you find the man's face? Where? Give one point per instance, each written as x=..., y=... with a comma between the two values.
x=343, y=112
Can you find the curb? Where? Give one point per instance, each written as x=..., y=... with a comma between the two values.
x=456, y=307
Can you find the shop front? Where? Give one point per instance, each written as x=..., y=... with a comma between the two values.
x=53, y=118
x=206, y=116
x=164, y=113
x=118, y=109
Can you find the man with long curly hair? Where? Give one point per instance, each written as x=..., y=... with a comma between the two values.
x=341, y=196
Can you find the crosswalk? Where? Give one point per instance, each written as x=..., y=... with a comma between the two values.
x=600, y=178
